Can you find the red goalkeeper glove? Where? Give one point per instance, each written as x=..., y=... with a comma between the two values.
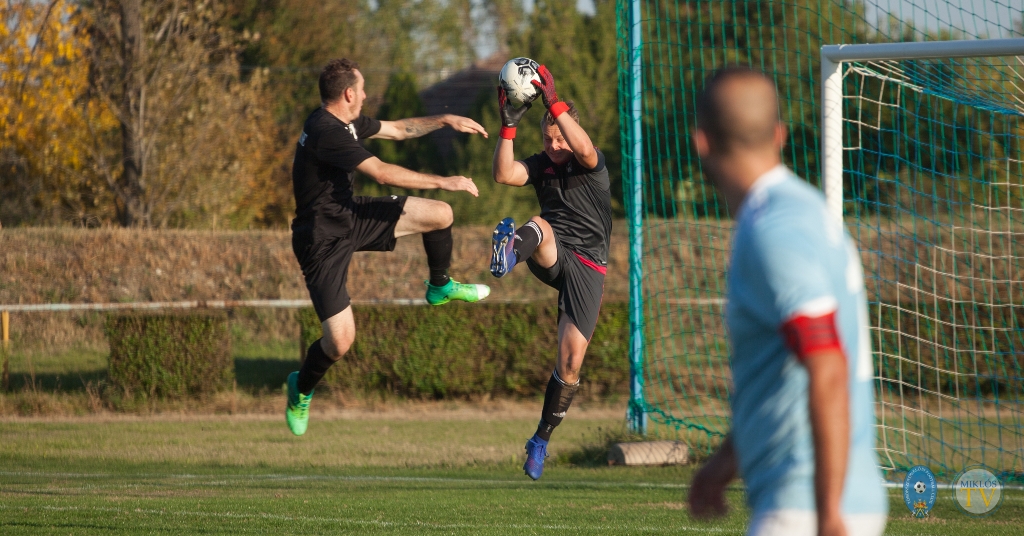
x=546, y=86
x=510, y=115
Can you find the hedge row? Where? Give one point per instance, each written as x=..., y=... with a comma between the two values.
x=463, y=350
x=170, y=355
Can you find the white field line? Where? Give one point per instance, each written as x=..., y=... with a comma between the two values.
x=221, y=479
x=362, y=522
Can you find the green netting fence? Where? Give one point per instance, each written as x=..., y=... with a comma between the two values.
x=933, y=190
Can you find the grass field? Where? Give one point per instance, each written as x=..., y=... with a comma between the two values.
x=434, y=469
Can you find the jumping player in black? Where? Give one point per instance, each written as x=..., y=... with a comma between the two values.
x=331, y=223
x=566, y=247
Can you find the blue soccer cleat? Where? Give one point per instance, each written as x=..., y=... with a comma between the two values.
x=503, y=254
x=536, y=451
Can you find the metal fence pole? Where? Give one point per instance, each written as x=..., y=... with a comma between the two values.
x=637, y=416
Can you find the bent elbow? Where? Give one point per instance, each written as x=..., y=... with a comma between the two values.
x=381, y=178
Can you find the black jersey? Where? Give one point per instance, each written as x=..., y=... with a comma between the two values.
x=576, y=202
x=327, y=153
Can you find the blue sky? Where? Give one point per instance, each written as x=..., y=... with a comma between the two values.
x=973, y=16
x=993, y=18
x=976, y=17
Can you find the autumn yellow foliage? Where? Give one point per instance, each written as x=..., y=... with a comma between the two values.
x=208, y=143
x=50, y=130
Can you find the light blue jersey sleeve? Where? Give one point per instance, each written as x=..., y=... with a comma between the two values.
x=793, y=253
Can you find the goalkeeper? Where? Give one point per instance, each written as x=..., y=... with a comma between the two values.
x=803, y=433
x=566, y=246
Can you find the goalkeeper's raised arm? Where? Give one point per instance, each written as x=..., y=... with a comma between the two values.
x=505, y=169
x=572, y=133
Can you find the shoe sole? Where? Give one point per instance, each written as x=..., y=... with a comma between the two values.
x=445, y=300
x=499, y=243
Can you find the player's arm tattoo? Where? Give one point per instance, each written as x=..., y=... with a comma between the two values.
x=415, y=127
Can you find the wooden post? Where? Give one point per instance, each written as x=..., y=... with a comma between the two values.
x=5, y=322
x=5, y=327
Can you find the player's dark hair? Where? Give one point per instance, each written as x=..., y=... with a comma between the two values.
x=724, y=127
x=337, y=76
x=548, y=121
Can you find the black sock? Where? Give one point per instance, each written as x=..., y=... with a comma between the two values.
x=313, y=368
x=438, y=245
x=557, y=399
x=528, y=237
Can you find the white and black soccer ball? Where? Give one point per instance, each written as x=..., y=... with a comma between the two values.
x=515, y=77
x=920, y=487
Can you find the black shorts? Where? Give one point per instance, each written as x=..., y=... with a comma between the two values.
x=580, y=288
x=325, y=262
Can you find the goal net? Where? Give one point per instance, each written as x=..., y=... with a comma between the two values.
x=933, y=192
x=931, y=188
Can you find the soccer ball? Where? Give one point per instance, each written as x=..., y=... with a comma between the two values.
x=920, y=487
x=515, y=77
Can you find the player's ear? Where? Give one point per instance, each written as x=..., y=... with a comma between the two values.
x=350, y=94
x=700, y=142
x=781, y=133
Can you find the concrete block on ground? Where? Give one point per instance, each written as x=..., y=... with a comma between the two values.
x=649, y=453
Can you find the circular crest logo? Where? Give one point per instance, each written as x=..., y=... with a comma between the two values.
x=977, y=491
x=919, y=490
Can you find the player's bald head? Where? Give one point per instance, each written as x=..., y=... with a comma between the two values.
x=738, y=109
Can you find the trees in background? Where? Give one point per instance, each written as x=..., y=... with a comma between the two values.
x=580, y=50
x=130, y=113
x=194, y=142
x=184, y=113
x=401, y=100
x=53, y=137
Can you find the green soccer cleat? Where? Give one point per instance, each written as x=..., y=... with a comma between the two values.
x=297, y=412
x=454, y=290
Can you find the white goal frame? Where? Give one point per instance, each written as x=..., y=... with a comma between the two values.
x=832, y=58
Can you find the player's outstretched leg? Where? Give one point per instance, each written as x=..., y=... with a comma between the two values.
x=442, y=289
x=433, y=219
x=510, y=246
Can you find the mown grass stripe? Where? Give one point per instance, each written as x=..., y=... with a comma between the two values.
x=357, y=478
x=368, y=522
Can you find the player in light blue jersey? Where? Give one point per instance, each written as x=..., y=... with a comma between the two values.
x=803, y=431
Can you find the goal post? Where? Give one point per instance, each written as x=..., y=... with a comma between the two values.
x=927, y=141
x=832, y=58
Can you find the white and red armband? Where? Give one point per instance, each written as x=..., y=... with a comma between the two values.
x=810, y=332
